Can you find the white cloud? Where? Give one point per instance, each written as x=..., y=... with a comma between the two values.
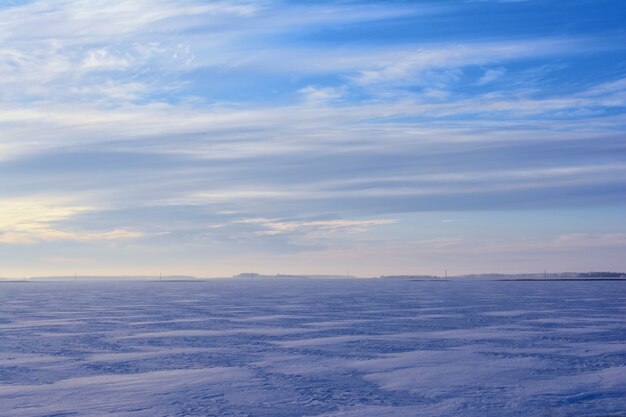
x=111, y=76
x=78, y=72
x=313, y=228
x=313, y=94
x=41, y=234
x=561, y=243
x=405, y=67
x=490, y=75
x=32, y=220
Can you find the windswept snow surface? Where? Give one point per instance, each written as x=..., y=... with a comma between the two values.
x=384, y=348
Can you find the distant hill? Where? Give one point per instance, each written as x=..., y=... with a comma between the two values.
x=512, y=277
x=557, y=276
x=602, y=274
x=419, y=277
x=599, y=275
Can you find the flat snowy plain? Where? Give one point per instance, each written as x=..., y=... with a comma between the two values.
x=384, y=348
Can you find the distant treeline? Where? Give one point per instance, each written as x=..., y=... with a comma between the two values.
x=602, y=274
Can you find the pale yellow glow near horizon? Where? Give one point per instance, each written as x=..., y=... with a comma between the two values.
x=27, y=221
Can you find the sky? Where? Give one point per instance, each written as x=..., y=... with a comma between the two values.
x=367, y=138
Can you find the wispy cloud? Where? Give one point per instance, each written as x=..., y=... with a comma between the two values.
x=406, y=66
x=578, y=242
x=304, y=125
x=27, y=221
x=313, y=228
x=492, y=74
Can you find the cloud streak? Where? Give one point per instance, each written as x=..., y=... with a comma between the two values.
x=28, y=221
x=297, y=127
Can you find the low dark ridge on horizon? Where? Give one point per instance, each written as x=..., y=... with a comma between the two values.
x=564, y=279
x=563, y=276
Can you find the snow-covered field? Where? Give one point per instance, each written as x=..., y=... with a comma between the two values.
x=380, y=348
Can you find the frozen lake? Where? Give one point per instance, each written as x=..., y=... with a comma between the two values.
x=313, y=348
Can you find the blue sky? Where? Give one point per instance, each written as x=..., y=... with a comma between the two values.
x=370, y=137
